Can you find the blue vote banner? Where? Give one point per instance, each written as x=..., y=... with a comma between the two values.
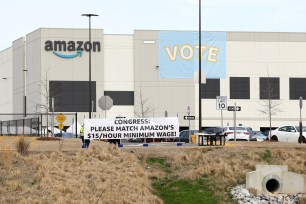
x=179, y=54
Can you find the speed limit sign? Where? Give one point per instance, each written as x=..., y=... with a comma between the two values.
x=221, y=103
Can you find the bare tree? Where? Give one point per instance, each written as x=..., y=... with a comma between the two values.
x=143, y=109
x=45, y=105
x=270, y=104
x=45, y=102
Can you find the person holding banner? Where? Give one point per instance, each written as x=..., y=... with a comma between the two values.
x=82, y=136
x=85, y=142
x=111, y=141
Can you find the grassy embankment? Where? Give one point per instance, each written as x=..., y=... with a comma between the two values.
x=106, y=174
x=205, y=175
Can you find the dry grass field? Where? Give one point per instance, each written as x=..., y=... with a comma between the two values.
x=225, y=166
x=63, y=172
x=100, y=174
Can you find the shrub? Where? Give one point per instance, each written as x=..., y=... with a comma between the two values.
x=22, y=145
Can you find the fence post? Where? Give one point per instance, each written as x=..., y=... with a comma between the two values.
x=76, y=125
x=16, y=127
x=23, y=127
x=41, y=124
x=38, y=128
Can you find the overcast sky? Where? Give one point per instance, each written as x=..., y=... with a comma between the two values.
x=20, y=17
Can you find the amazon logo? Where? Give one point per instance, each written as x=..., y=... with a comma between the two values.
x=71, y=46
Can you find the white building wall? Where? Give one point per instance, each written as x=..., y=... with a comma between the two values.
x=6, y=82
x=33, y=64
x=259, y=59
x=44, y=66
x=76, y=69
x=161, y=95
x=19, y=77
x=126, y=63
x=119, y=70
x=248, y=54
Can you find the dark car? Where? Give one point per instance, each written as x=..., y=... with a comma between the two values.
x=267, y=132
x=149, y=140
x=217, y=131
x=213, y=130
x=65, y=135
x=137, y=140
x=184, y=135
x=257, y=136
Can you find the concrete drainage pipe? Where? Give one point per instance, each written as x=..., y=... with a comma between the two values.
x=272, y=184
x=275, y=179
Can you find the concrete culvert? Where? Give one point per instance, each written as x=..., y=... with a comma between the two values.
x=273, y=186
x=275, y=179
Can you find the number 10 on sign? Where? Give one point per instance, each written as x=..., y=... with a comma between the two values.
x=221, y=102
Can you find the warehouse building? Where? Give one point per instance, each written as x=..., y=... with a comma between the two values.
x=137, y=72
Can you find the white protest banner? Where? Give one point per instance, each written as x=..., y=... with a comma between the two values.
x=125, y=128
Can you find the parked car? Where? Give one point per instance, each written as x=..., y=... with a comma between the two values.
x=266, y=132
x=258, y=136
x=241, y=133
x=65, y=135
x=217, y=131
x=213, y=130
x=149, y=140
x=137, y=140
x=288, y=133
x=184, y=135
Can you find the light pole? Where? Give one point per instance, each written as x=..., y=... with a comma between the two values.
x=200, y=71
x=89, y=15
x=301, y=126
x=25, y=92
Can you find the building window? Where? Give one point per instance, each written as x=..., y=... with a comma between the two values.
x=297, y=87
x=72, y=96
x=269, y=88
x=239, y=87
x=121, y=98
x=211, y=89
